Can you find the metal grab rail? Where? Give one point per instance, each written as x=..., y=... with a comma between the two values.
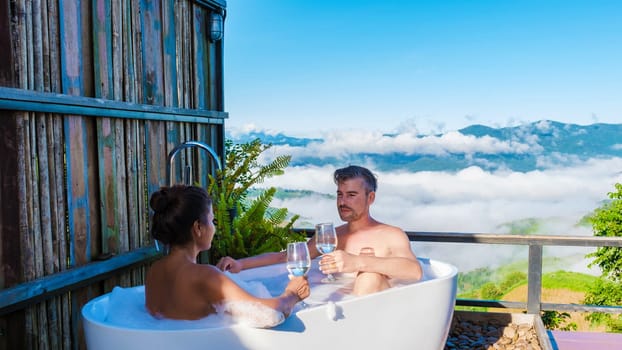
x=188, y=144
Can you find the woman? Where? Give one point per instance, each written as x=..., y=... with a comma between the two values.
x=176, y=286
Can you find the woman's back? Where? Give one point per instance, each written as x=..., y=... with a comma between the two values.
x=179, y=289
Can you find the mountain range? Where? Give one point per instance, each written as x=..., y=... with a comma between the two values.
x=527, y=147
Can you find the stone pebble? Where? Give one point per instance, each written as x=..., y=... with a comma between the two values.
x=484, y=336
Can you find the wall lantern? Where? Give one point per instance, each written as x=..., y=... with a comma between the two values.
x=216, y=24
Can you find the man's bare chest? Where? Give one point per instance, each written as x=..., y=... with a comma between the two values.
x=354, y=243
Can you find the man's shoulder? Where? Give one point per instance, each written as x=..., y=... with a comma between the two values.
x=388, y=228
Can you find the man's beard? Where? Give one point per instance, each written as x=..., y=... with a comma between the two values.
x=348, y=215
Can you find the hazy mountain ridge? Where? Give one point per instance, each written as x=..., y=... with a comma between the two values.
x=590, y=140
x=533, y=146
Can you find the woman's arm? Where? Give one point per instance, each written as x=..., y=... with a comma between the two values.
x=296, y=290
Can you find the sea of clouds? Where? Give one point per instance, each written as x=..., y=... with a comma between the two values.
x=563, y=191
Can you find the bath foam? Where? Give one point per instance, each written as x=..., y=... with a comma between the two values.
x=248, y=313
x=251, y=314
x=127, y=310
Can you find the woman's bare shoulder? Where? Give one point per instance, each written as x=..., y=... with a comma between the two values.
x=203, y=271
x=210, y=276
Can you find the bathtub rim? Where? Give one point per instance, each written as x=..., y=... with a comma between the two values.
x=87, y=311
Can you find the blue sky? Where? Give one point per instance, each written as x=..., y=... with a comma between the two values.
x=306, y=66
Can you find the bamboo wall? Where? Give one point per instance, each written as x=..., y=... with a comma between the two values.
x=74, y=182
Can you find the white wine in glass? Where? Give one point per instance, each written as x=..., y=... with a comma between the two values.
x=298, y=258
x=298, y=261
x=326, y=242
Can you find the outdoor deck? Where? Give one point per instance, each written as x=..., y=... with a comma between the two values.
x=562, y=340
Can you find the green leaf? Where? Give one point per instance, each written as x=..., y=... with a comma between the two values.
x=256, y=228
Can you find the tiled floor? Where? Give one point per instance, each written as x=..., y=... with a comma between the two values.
x=585, y=340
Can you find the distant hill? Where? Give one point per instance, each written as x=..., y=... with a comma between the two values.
x=528, y=147
x=510, y=284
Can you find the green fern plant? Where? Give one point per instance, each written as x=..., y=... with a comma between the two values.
x=247, y=227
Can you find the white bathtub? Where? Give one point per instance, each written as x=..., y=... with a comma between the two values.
x=407, y=316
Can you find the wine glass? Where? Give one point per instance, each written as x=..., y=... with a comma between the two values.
x=298, y=261
x=298, y=258
x=326, y=242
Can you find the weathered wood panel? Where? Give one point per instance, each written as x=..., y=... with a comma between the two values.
x=7, y=76
x=83, y=168
x=10, y=257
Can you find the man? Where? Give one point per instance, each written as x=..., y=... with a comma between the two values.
x=391, y=255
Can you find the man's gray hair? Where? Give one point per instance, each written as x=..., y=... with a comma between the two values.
x=355, y=171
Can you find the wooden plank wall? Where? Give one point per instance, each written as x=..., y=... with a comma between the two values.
x=75, y=188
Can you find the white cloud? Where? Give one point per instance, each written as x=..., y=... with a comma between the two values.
x=543, y=125
x=236, y=131
x=341, y=143
x=578, y=132
x=470, y=200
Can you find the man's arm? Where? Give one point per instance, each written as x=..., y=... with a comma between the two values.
x=400, y=262
x=393, y=267
x=236, y=265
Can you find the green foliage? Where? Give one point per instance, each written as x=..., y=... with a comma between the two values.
x=555, y=320
x=512, y=281
x=245, y=226
x=490, y=291
x=607, y=222
x=482, y=282
x=605, y=292
x=474, y=280
x=578, y=282
x=470, y=284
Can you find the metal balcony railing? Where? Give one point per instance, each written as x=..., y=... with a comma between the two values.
x=534, y=277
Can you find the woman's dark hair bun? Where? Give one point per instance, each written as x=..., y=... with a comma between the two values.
x=175, y=209
x=159, y=200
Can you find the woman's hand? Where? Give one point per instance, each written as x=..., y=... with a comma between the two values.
x=228, y=263
x=298, y=286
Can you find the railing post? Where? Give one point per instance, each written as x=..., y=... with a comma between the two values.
x=534, y=279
